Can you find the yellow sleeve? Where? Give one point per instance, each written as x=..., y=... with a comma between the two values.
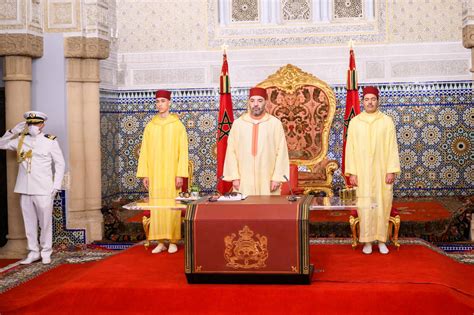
x=183, y=156
x=231, y=165
x=282, y=162
x=142, y=170
x=393, y=163
x=350, y=158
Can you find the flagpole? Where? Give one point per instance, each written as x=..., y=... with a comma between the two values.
x=352, y=103
x=225, y=120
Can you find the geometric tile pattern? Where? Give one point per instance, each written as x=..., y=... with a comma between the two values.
x=434, y=123
x=64, y=238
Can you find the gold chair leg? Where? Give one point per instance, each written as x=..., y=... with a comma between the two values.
x=146, y=228
x=390, y=230
x=353, y=222
x=397, y=229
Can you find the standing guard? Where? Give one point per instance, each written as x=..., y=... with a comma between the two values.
x=40, y=174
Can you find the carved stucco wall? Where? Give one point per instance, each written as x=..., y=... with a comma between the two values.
x=176, y=44
x=161, y=25
x=149, y=26
x=425, y=21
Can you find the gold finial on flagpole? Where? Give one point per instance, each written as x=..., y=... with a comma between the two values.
x=224, y=48
x=351, y=44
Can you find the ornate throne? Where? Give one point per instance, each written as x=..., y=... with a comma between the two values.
x=306, y=106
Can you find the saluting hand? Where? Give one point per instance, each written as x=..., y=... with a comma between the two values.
x=18, y=128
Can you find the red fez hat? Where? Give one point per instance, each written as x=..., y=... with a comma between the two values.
x=370, y=90
x=163, y=94
x=258, y=91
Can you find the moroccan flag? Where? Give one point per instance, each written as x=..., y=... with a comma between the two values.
x=226, y=118
x=352, y=105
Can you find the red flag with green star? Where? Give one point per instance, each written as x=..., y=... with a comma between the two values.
x=352, y=105
x=226, y=118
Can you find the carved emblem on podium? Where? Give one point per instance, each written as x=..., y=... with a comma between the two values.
x=246, y=252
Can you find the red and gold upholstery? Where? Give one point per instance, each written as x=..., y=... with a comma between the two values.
x=306, y=106
x=393, y=227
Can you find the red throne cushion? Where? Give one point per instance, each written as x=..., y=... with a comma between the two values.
x=393, y=212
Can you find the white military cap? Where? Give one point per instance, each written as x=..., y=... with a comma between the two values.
x=34, y=117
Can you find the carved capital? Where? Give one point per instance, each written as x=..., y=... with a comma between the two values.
x=83, y=70
x=472, y=59
x=90, y=70
x=21, y=45
x=74, y=73
x=468, y=36
x=82, y=47
x=17, y=68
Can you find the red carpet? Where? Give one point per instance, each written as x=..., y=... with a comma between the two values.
x=414, y=280
x=419, y=211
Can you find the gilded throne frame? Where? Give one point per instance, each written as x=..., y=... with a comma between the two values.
x=306, y=106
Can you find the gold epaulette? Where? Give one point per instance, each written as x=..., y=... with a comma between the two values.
x=50, y=137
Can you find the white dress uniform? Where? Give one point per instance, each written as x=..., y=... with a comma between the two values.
x=39, y=178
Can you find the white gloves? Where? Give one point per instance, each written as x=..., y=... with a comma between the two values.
x=18, y=128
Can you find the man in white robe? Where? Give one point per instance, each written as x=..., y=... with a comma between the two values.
x=257, y=158
x=372, y=162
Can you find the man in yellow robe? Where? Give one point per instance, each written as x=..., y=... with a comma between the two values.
x=162, y=164
x=372, y=161
x=256, y=159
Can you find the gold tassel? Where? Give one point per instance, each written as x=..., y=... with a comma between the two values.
x=24, y=156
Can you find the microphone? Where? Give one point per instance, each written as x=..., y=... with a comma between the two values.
x=292, y=197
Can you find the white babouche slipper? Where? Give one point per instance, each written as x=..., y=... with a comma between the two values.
x=367, y=248
x=383, y=248
x=159, y=248
x=172, y=248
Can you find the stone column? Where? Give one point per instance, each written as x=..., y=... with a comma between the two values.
x=19, y=50
x=75, y=123
x=468, y=42
x=85, y=199
x=92, y=153
x=17, y=101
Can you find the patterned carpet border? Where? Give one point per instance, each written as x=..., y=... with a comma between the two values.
x=16, y=274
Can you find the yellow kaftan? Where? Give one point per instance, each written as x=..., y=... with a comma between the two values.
x=371, y=153
x=256, y=154
x=163, y=157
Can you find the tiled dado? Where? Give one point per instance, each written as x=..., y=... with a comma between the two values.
x=434, y=123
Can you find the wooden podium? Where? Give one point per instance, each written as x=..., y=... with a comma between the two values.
x=262, y=239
